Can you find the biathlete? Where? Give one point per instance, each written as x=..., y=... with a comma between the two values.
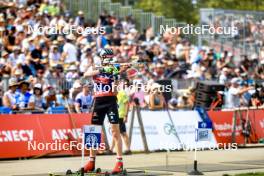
x=105, y=103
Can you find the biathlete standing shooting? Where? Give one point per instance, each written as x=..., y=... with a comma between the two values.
x=105, y=103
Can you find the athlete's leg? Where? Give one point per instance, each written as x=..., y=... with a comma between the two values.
x=112, y=147
x=98, y=116
x=117, y=139
x=124, y=136
x=126, y=141
x=114, y=120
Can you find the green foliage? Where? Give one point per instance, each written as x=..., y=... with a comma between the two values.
x=251, y=174
x=184, y=10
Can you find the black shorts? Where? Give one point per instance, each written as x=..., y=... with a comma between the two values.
x=105, y=106
x=122, y=126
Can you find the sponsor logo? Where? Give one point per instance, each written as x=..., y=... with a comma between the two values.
x=16, y=135
x=63, y=134
x=91, y=139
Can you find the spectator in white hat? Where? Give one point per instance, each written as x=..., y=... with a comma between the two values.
x=69, y=54
x=83, y=100
x=79, y=20
x=223, y=78
x=54, y=55
x=72, y=73
x=76, y=88
x=10, y=96
x=232, y=98
x=86, y=59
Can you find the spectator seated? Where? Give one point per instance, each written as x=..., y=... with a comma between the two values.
x=5, y=110
x=57, y=110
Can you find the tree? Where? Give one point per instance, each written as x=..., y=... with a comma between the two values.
x=184, y=10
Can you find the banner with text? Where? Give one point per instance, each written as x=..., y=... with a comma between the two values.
x=24, y=135
x=162, y=134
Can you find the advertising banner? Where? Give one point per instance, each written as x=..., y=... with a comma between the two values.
x=24, y=135
x=162, y=134
x=223, y=125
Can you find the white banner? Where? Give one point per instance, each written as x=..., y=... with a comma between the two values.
x=160, y=132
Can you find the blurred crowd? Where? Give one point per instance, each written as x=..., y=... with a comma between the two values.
x=45, y=70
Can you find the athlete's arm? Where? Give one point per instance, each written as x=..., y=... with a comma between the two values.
x=93, y=72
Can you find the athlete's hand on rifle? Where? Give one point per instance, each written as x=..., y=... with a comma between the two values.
x=106, y=69
x=110, y=70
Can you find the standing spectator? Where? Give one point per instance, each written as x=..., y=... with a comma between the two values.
x=234, y=93
x=83, y=100
x=123, y=107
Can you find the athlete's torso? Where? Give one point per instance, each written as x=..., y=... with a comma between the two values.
x=104, y=84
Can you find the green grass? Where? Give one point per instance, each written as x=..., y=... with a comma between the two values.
x=248, y=174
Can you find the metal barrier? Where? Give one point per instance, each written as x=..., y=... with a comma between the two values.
x=93, y=8
x=245, y=42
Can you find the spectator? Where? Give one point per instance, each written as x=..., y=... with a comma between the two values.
x=72, y=73
x=156, y=99
x=223, y=78
x=25, y=98
x=260, y=71
x=123, y=108
x=138, y=95
x=187, y=99
x=83, y=100
x=54, y=55
x=38, y=98
x=172, y=104
x=64, y=100
x=50, y=97
x=79, y=20
x=10, y=96
x=75, y=90
x=234, y=93
x=69, y=54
